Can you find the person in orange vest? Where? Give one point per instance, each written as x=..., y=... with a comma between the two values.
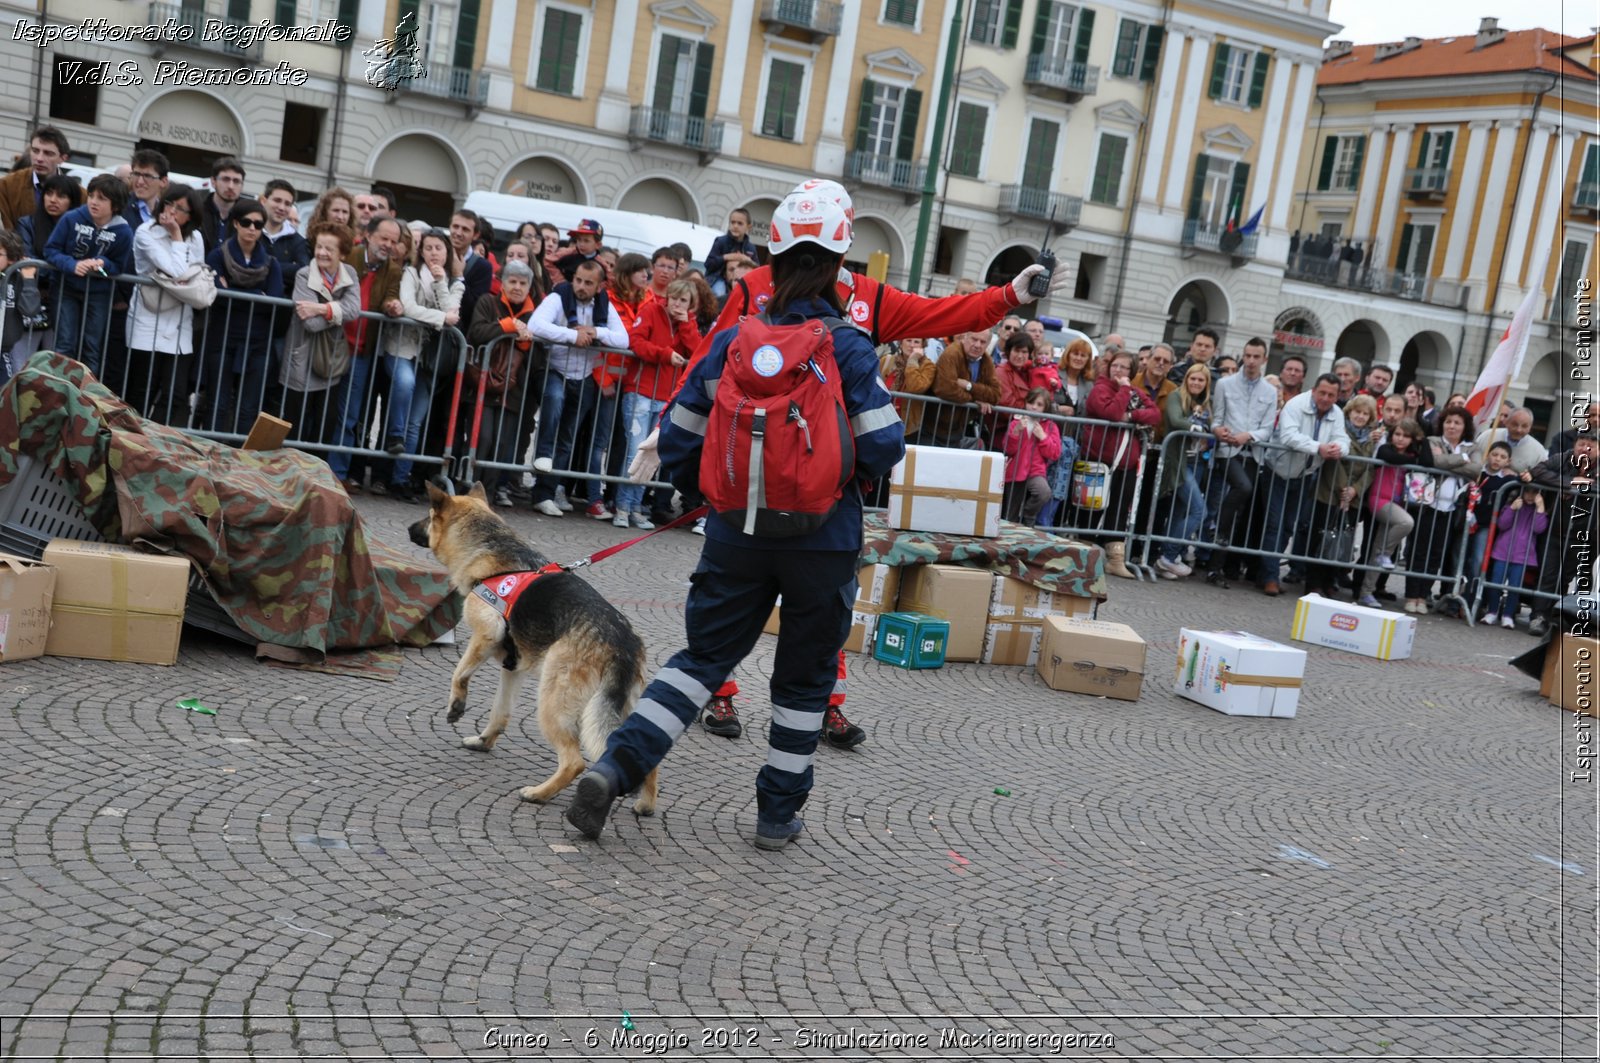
x=886, y=314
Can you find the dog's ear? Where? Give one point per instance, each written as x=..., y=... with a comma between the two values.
x=478, y=492
x=436, y=496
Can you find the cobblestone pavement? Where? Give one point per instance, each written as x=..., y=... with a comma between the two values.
x=321, y=871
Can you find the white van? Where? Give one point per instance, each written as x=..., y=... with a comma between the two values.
x=625, y=231
x=84, y=173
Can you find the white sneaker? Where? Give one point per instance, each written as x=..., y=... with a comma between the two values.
x=543, y=465
x=1384, y=561
x=642, y=522
x=1489, y=618
x=699, y=526
x=1172, y=569
x=548, y=508
x=561, y=500
x=620, y=520
x=1508, y=621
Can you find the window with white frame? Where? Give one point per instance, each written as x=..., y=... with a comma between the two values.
x=1138, y=50
x=559, y=51
x=988, y=21
x=883, y=124
x=901, y=12
x=785, y=94
x=1416, y=247
x=1217, y=191
x=1236, y=75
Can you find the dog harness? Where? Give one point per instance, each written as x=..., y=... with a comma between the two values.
x=502, y=591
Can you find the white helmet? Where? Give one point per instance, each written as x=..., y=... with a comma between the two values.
x=819, y=186
x=807, y=218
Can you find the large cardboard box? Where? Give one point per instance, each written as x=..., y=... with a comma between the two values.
x=877, y=587
x=1238, y=673
x=1344, y=626
x=945, y=489
x=954, y=593
x=1569, y=672
x=911, y=640
x=114, y=603
x=26, y=590
x=1091, y=657
x=1015, y=624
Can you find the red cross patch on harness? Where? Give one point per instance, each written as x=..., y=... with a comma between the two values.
x=502, y=591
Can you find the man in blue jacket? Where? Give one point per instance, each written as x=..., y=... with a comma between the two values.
x=741, y=575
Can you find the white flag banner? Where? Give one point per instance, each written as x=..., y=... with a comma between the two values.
x=1506, y=362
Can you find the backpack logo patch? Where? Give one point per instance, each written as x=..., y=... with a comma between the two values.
x=767, y=361
x=859, y=312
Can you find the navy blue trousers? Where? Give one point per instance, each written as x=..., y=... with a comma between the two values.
x=731, y=595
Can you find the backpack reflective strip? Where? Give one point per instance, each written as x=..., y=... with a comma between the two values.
x=711, y=387
x=755, y=494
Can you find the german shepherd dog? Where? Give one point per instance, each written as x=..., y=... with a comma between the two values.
x=590, y=661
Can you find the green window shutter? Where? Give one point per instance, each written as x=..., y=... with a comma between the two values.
x=864, y=113
x=1423, y=249
x=239, y=10
x=1258, y=78
x=1038, y=163
x=666, y=72
x=1422, y=149
x=1404, y=250
x=783, y=99
x=1108, y=167
x=1080, y=47
x=1219, y=72
x=1126, y=54
x=1330, y=151
x=1152, y=53
x=1197, y=187
x=1041, y=27
x=1445, y=140
x=700, y=87
x=558, y=51
x=283, y=13
x=465, y=54
x=910, y=111
x=1591, y=166
x=1013, y=26
x=971, y=127
x=1355, y=162
x=348, y=9
x=1237, y=190
x=903, y=12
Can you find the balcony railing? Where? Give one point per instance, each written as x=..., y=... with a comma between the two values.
x=191, y=32
x=1061, y=74
x=820, y=18
x=1586, y=196
x=453, y=83
x=1025, y=202
x=1364, y=278
x=1205, y=237
x=1428, y=180
x=671, y=127
x=885, y=171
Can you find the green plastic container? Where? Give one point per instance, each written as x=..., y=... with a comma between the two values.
x=911, y=640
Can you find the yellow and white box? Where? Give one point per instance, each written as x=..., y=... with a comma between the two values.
x=1238, y=673
x=1016, y=619
x=1345, y=626
x=945, y=489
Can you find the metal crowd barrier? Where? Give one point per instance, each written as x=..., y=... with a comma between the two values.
x=1276, y=517
x=1570, y=535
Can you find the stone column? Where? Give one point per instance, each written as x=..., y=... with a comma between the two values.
x=1161, y=114
x=497, y=58
x=1550, y=210
x=1522, y=216
x=1455, y=252
x=1367, y=196
x=1383, y=237
x=1494, y=201
x=1183, y=137
x=1277, y=216
x=614, y=109
x=842, y=75
x=735, y=60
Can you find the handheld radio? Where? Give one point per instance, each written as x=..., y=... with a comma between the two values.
x=1039, y=286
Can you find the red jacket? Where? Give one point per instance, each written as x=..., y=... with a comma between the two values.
x=1014, y=384
x=653, y=339
x=1026, y=456
x=611, y=369
x=1108, y=401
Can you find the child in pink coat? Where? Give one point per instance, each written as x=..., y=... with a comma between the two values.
x=1031, y=443
x=1515, y=551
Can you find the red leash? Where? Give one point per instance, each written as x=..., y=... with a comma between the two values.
x=601, y=555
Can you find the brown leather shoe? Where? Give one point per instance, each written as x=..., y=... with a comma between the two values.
x=1271, y=590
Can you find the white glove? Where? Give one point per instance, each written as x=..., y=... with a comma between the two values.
x=1058, y=282
x=646, y=463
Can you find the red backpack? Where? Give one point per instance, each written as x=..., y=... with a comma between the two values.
x=779, y=450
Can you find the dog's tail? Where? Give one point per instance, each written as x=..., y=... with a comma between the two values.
x=612, y=700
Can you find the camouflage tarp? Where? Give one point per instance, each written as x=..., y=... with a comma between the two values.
x=1050, y=563
x=283, y=551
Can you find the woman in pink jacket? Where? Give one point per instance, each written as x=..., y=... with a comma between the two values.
x=1031, y=443
x=1114, y=398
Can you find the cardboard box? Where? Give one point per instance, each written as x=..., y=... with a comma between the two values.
x=954, y=593
x=1569, y=672
x=944, y=489
x=114, y=603
x=911, y=640
x=1094, y=657
x=1238, y=673
x=26, y=590
x=877, y=587
x=1015, y=625
x=1343, y=626
x=268, y=433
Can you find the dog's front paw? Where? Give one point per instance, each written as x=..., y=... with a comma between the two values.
x=533, y=794
x=477, y=744
x=458, y=709
x=642, y=807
